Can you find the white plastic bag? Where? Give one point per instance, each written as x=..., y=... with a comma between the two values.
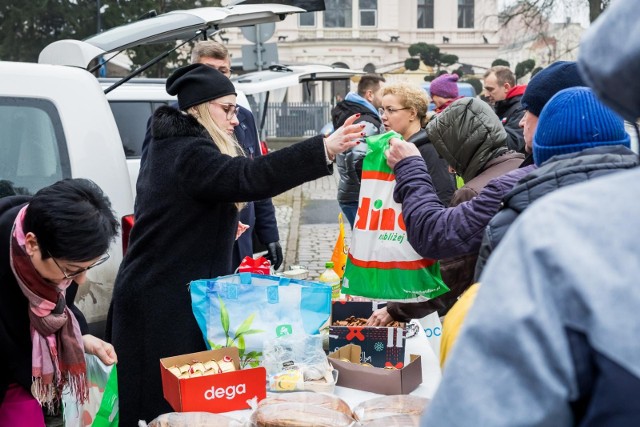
x=432, y=327
x=101, y=410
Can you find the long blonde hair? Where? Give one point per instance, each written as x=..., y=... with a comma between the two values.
x=227, y=144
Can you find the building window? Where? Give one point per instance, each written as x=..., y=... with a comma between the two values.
x=338, y=14
x=368, y=13
x=465, y=13
x=307, y=19
x=425, y=13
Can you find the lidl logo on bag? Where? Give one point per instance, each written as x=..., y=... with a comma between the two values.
x=283, y=330
x=374, y=217
x=229, y=393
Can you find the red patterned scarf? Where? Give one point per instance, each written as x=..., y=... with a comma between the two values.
x=57, y=356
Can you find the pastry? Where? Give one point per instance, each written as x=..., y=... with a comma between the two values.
x=197, y=367
x=226, y=364
x=211, y=365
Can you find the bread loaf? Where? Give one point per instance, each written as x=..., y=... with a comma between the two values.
x=390, y=405
x=298, y=415
x=402, y=420
x=309, y=398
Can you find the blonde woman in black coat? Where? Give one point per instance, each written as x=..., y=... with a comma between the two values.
x=194, y=182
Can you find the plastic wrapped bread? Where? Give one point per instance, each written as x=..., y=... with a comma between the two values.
x=401, y=420
x=298, y=415
x=390, y=405
x=194, y=419
x=309, y=398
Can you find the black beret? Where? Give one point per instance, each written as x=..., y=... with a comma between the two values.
x=198, y=83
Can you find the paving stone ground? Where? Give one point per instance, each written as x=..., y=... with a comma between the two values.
x=308, y=223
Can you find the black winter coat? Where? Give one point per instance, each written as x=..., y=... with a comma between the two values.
x=260, y=215
x=510, y=113
x=186, y=222
x=558, y=172
x=443, y=181
x=15, y=337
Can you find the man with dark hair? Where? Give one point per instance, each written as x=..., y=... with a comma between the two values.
x=260, y=216
x=504, y=94
x=365, y=102
x=51, y=240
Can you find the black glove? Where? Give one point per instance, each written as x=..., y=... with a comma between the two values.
x=274, y=254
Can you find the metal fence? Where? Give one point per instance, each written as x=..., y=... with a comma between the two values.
x=296, y=119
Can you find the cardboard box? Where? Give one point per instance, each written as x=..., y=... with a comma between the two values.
x=376, y=380
x=212, y=393
x=381, y=346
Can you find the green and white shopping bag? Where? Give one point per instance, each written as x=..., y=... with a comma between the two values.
x=381, y=263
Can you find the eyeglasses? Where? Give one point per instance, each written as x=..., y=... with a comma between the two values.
x=71, y=275
x=388, y=110
x=230, y=109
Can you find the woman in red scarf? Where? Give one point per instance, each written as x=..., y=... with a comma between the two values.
x=52, y=239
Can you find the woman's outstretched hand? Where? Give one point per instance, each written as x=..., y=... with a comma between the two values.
x=345, y=137
x=398, y=150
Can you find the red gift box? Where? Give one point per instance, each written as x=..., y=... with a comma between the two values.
x=258, y=266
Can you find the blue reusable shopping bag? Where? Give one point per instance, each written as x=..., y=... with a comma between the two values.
x=242, y=310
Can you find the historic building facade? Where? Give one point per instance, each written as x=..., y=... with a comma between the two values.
x=374, y=35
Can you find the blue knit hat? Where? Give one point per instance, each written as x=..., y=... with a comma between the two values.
x=574, y=120
x=557, y=76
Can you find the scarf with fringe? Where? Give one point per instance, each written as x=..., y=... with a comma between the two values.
x=57, y=355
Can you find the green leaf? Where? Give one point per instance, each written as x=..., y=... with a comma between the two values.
x=253, y=354
x=241, y=344
x=245, y=325
x=224, y=318
x=251, y=331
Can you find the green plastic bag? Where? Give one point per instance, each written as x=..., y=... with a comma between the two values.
x=382, y=264
x=102, y=408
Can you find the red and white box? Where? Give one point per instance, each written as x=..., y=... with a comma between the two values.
x=222, y=392
x=259, y=265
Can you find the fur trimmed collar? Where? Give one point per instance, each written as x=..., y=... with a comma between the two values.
x=169, y=122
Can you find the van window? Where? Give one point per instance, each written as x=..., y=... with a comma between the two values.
x=131, y=118
x=33, y=146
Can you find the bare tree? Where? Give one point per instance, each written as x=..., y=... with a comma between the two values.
x=535, y=12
